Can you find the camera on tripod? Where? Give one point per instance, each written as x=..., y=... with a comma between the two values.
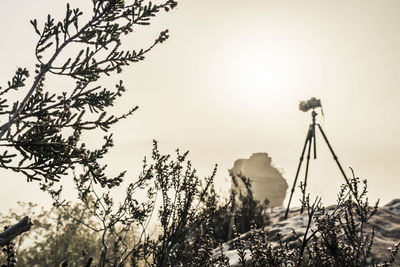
x=312, y=103
x=305, y=106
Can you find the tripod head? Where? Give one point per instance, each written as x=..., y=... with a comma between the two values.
x=313, y=115
x=313, y=103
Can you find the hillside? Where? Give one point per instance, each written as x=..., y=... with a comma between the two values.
x=386, y=223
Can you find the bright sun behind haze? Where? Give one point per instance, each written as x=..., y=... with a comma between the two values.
x=256, y=70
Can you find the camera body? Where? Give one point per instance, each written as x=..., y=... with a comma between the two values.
x=312, y=103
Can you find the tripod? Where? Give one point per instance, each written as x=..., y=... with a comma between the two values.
x=310, y=141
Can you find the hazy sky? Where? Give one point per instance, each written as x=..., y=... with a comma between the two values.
x=228, y=82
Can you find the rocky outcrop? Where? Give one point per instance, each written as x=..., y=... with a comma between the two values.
x=267, y=181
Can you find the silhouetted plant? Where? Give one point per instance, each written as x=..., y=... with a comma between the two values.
x=242, y=211
x=10, y=253
x=41, y=135
x=339, y=237
x=55, y=237
x=182, y=202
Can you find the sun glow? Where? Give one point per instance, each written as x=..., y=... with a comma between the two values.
x=260, y=73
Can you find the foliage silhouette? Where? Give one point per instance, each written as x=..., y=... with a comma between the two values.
x=55, y=237
x=41, y=135
x=340, y=237
x=242, y=211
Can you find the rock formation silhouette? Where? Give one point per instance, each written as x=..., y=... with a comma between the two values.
x=267, y=181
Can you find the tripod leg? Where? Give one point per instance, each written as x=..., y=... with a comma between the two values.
x=308, y=139
x=315, y=142
x=307, y=165
x=335, y=157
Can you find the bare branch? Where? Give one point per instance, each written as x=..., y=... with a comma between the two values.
x=12, y=232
